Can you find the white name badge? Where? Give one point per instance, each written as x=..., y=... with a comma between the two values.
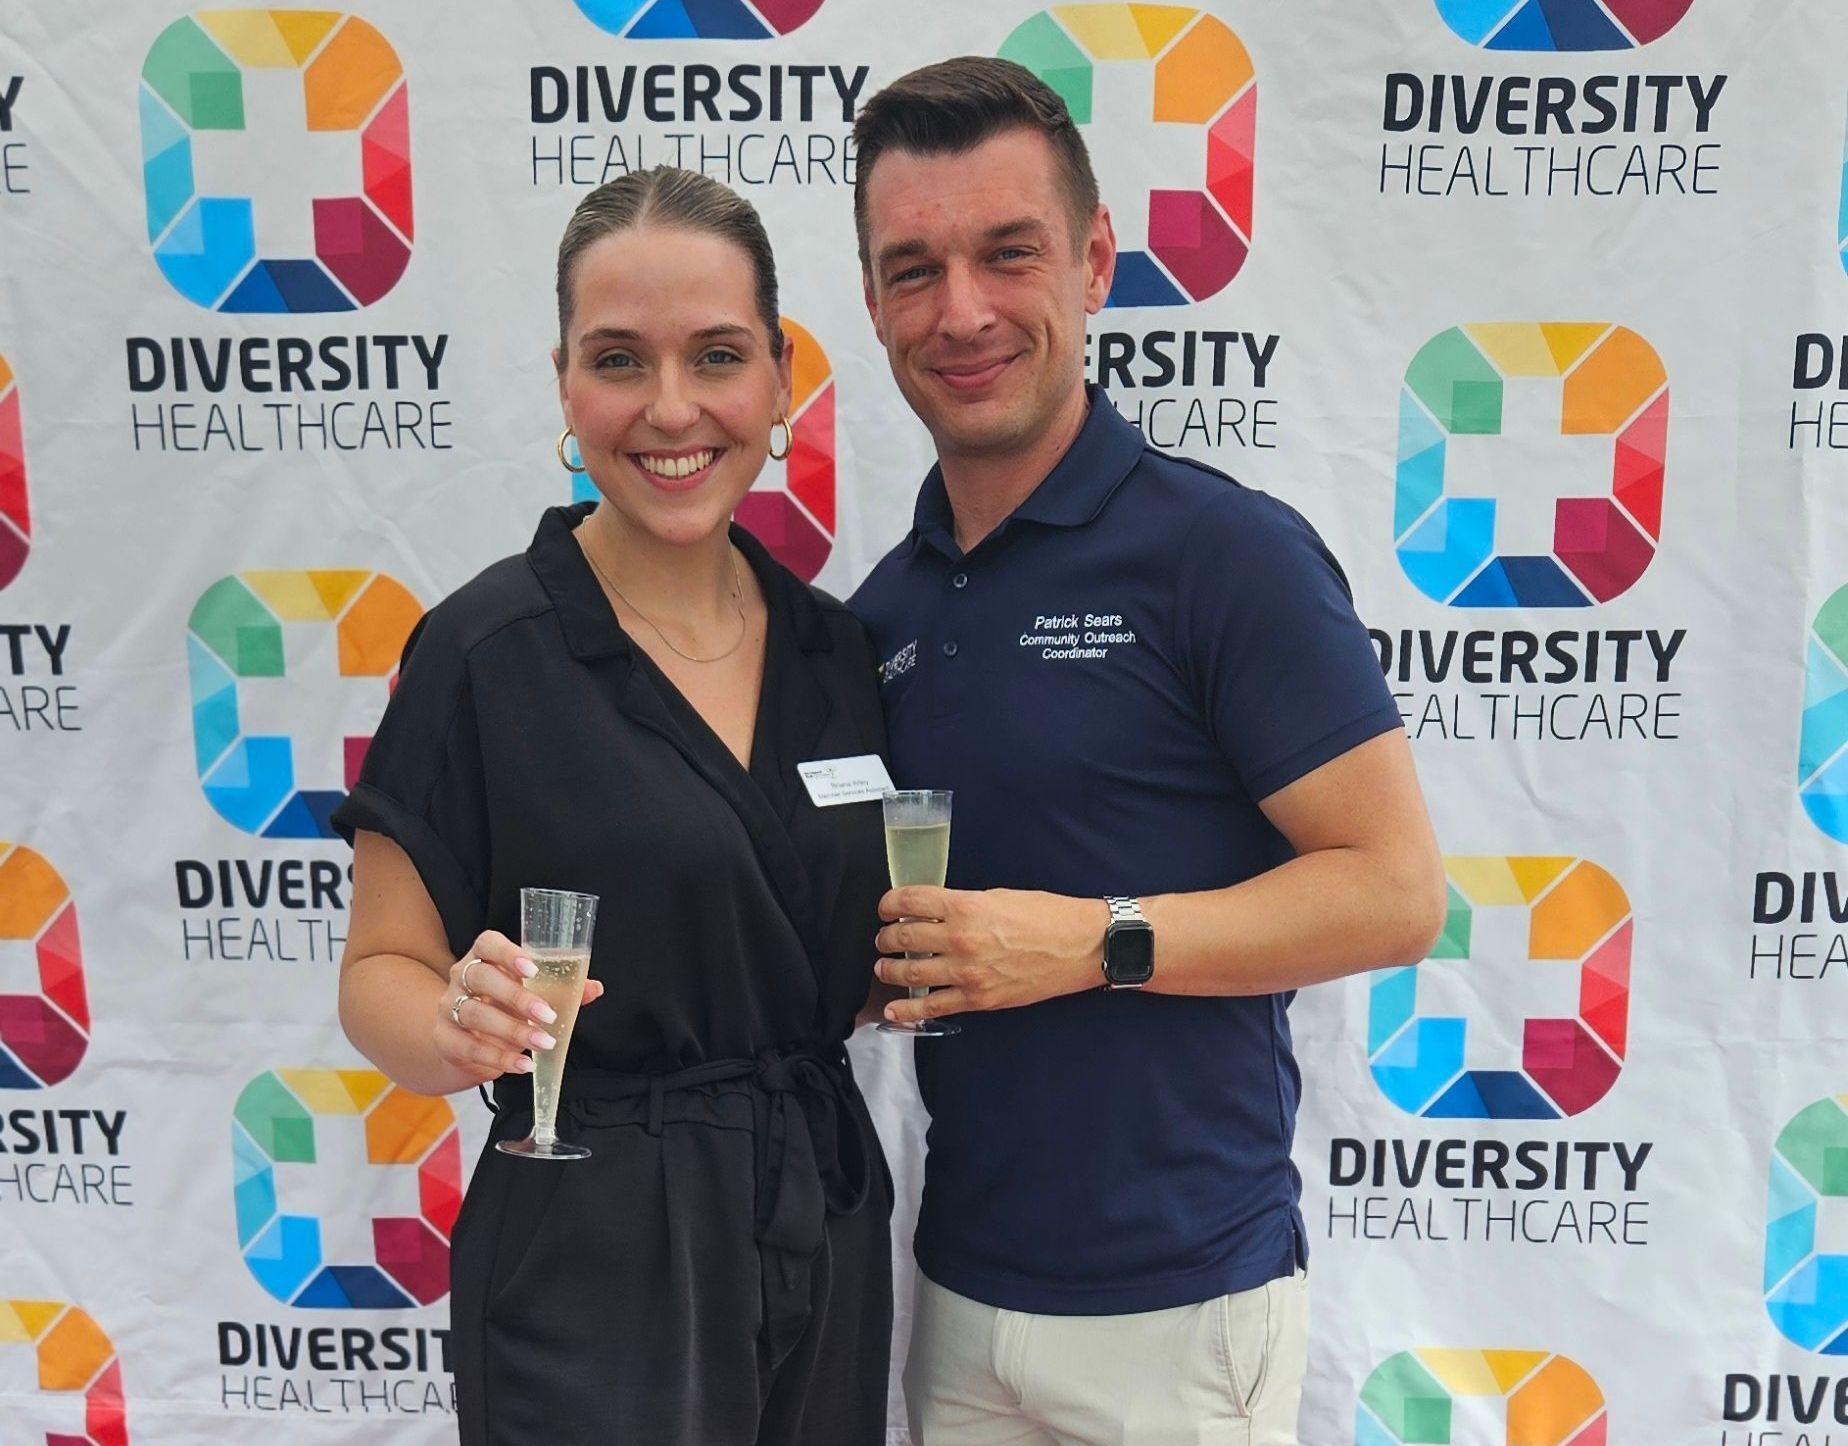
x=845, y=780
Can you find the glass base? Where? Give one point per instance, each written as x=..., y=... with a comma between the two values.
x=531, y=1149
x=925, y=1027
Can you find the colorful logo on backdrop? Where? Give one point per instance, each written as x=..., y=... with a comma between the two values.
x=794, y=520
x=43, y=1036
x=1577, y=914
x=74, y=1357
x=1198, y=236
x=1426, y=1397
x=1822, y=765
x=1611, y=383
x=15, y=504
x=1806, y=1291
x=194, y=91
x=699, y=19
x=235, y=636
x=1562, y=24
x=274, y=1123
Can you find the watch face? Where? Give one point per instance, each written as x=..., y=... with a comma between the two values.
x=1129, y=953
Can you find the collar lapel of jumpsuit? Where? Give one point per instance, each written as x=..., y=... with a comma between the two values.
x=792, y=714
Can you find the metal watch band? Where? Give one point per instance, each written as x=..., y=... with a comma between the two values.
x=1125, y=909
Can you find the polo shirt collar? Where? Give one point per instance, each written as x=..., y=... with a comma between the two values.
x=1102, y=454
x=589, y=622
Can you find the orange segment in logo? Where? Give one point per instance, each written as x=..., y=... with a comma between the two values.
x=373, y=630
x=1606, y=389
x=30, y=891
x=72, y=1354
x=1559, y=1399
x=404, y=1126
x=348, y=79
x=1204, y=70
x=1581, y=909
x=809, y=366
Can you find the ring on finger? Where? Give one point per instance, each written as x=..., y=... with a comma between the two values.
x=455, y=1009
x=467, y=964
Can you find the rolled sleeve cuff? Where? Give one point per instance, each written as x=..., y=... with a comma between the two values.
x=456, y=899
x=1325, y=749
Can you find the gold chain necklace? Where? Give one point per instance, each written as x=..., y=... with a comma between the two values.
x=731, y=557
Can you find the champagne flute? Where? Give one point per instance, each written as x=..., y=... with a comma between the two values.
x=555, y=932
x=917, y=840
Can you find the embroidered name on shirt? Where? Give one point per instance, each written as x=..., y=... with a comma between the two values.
x=1078, y=636
x=900, y=663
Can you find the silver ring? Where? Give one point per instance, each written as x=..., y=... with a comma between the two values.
x=467, y=964
x=455, y=1010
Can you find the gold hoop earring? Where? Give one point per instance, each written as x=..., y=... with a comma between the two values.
x=789, y=439
x=563, y=461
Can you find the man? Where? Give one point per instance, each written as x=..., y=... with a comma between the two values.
x=1144, y=683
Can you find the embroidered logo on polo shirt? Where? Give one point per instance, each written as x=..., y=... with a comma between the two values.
x=1076, y=635
x=900, y=663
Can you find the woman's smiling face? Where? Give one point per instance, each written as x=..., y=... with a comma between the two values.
x=668, y=379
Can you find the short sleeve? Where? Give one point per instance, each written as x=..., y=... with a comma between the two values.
x=1285, y=671
x=422, y=784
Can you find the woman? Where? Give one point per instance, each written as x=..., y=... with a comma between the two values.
x=621, y=710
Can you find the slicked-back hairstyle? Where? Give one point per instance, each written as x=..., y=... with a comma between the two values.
x=955, y=105
x=679, y=199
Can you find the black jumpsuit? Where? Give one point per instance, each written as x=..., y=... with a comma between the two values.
x=717, y=1273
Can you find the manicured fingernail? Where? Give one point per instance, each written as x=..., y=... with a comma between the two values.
x=525, y=968
x=542, y=1040
x=523, y=1065
x=891, y=1015
x=544, y=1012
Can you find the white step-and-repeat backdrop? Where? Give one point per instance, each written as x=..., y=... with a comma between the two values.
x=1535, y=307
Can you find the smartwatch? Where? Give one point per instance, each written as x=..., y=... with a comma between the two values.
x=1129, y=946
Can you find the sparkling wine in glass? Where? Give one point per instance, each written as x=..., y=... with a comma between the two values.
x=555, y=931
x=917, y=840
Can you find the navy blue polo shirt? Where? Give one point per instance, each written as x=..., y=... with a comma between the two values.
x=1110, y=682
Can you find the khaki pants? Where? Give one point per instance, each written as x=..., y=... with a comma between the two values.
x=1226, y=1372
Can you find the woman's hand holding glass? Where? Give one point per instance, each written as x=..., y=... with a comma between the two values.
x=487, y=1018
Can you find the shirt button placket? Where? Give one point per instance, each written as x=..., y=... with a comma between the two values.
x=952, y=686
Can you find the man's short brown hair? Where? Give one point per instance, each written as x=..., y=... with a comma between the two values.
x=954, y=106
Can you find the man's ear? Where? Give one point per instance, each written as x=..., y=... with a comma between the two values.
x=1100, y=257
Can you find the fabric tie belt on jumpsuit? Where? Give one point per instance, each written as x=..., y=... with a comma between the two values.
x=815, y=1147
